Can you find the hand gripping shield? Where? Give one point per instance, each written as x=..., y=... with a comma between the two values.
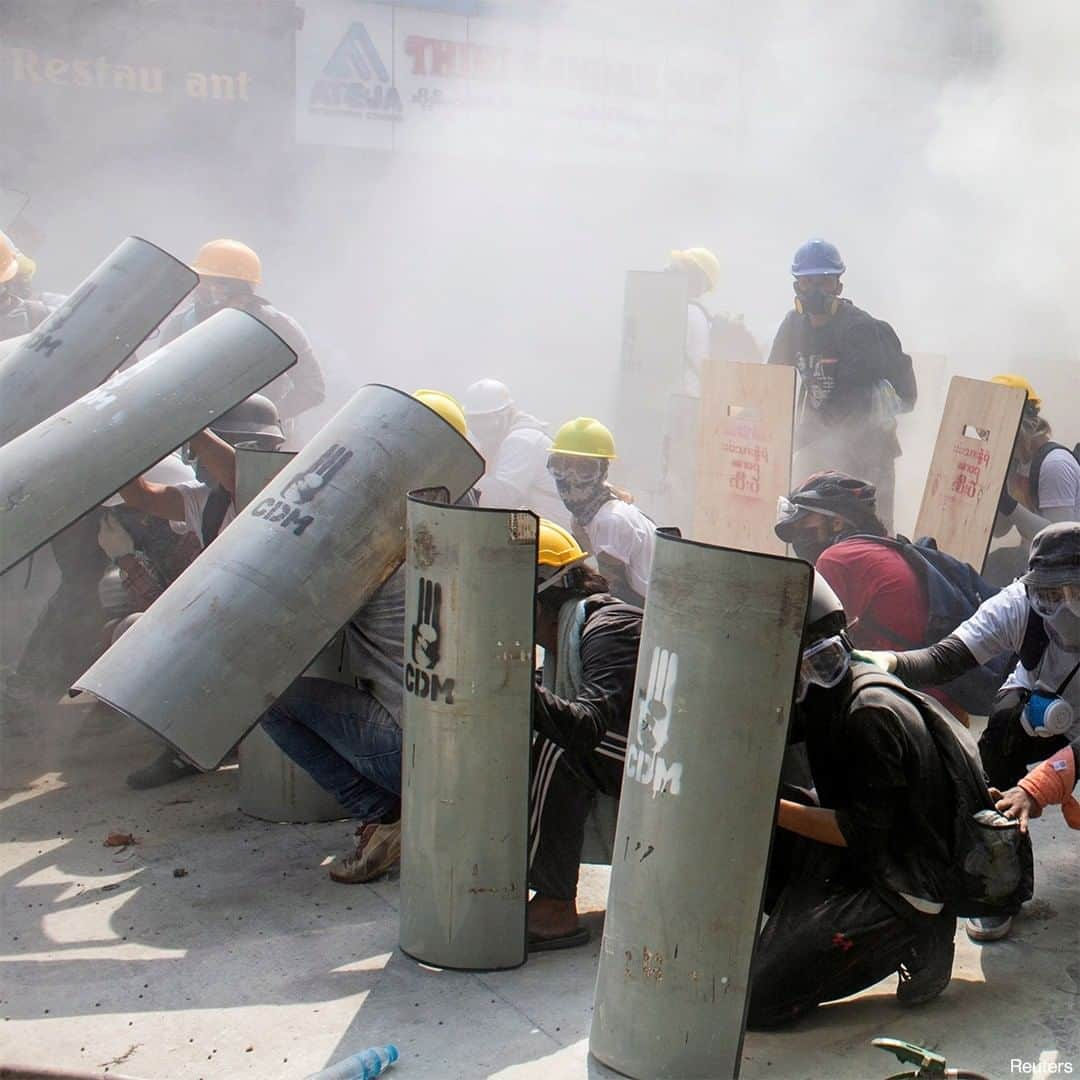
x=272, y=786
x=255, y=608
x=715, y=680
x=90, y=334
x=471, y=595
x=71, y=461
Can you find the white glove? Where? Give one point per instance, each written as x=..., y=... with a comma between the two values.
x=884, y=660
x=114, y=539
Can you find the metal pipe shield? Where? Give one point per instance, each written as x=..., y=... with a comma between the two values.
x=90, y=334
x=249, y=615
x=53, y=474
x=470, y=594
x=715, y=680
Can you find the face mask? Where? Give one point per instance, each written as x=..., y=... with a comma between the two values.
x=1046, y=714
x=810, y=548
x=816, y=302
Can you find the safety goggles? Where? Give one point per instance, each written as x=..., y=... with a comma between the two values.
x=807, y=283
x=824, y=664
x=1047, y=600
x=788, y=511
x=580, y=470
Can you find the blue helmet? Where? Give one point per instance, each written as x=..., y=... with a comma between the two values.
x=817, y=257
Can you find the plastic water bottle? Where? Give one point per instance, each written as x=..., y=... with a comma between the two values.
x=363, y=1066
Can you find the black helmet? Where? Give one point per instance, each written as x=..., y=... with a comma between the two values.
x=255, y=420
x=834, y=494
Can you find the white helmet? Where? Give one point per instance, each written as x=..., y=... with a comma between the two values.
x=171, y=470
x=487, y=396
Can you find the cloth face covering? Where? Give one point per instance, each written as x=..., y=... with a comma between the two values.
x=581, y=484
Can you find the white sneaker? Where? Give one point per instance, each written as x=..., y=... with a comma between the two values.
x=988, y=927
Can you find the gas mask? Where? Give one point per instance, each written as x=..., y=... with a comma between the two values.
x=1046, y=714
x=817, y=297
x=581, y=483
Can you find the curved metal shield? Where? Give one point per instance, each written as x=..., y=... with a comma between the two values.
x=53, y=474
x=255, y=608
x=715, y=681
x=272, y=786
x=471, y=595
x=91, y=333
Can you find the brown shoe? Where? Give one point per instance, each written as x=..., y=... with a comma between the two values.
x=377, y=852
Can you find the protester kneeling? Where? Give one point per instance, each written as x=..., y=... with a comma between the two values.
x=581, y=714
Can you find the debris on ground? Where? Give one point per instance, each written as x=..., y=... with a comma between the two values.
x=180, y=871
x=120, y=839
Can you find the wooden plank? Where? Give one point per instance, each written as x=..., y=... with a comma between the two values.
x=967, y=472
x=650, y=371
x=744, y=454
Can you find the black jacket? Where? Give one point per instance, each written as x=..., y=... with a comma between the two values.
x=609, y=650
x=841, y=361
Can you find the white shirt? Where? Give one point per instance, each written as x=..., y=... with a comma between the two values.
x=195, y=495
x=1059, y=483
x=997, y=629
x=697, y=348
x=622, y=531
x=518, y=476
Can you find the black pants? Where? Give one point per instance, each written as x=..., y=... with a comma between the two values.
x=830, y=933
x=561, y=795
x=1006, y=749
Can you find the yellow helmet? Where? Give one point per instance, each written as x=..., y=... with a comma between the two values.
x=9, y=259
x=1018, y=382
x=584, y=437
x=446, y=406
x=703, y=259
x=228, y=259
x=557, y=553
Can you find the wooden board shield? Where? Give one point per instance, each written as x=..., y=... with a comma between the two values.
x=650, y=371
x=744, y=454
x=970, y=463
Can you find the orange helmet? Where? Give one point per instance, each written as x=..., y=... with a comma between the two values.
x=228, y=259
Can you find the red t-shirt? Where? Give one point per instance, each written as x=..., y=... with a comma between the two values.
x=883, y=597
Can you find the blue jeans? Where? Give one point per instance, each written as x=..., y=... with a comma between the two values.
x=345, y=740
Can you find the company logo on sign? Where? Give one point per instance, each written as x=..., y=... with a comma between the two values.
x=301, y=489
x=645, y=762
x=425, y=648
x=355, y=79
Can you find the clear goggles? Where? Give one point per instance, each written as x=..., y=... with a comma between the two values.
x=1047, y=600
x=575, y=468
x=824, y=664
x=787, y=511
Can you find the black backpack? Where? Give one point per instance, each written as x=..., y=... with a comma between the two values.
x=1037, y=464
x=991, y=870
x=954, y=592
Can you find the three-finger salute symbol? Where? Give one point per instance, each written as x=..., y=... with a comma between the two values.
x=425, y=631
x=304, y=486
x=657, y=701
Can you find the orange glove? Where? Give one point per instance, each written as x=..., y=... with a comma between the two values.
x=1053, y=782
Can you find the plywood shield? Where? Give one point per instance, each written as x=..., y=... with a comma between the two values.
x=252, y=612
x=970, y=463
x=54, y=473
x=90, y=334
x=471, y=594
x=651, y=370
x=744, y=455
x=715, y=682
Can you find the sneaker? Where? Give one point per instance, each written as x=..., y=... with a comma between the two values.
x=988, y=927
x=929, y=968
x=377, y=851
x=164, y=769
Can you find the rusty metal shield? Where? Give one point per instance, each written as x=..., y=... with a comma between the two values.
x=471, y=594
x=53, y=474
x=253, y=611
x=715, y=682
x=90, y=334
